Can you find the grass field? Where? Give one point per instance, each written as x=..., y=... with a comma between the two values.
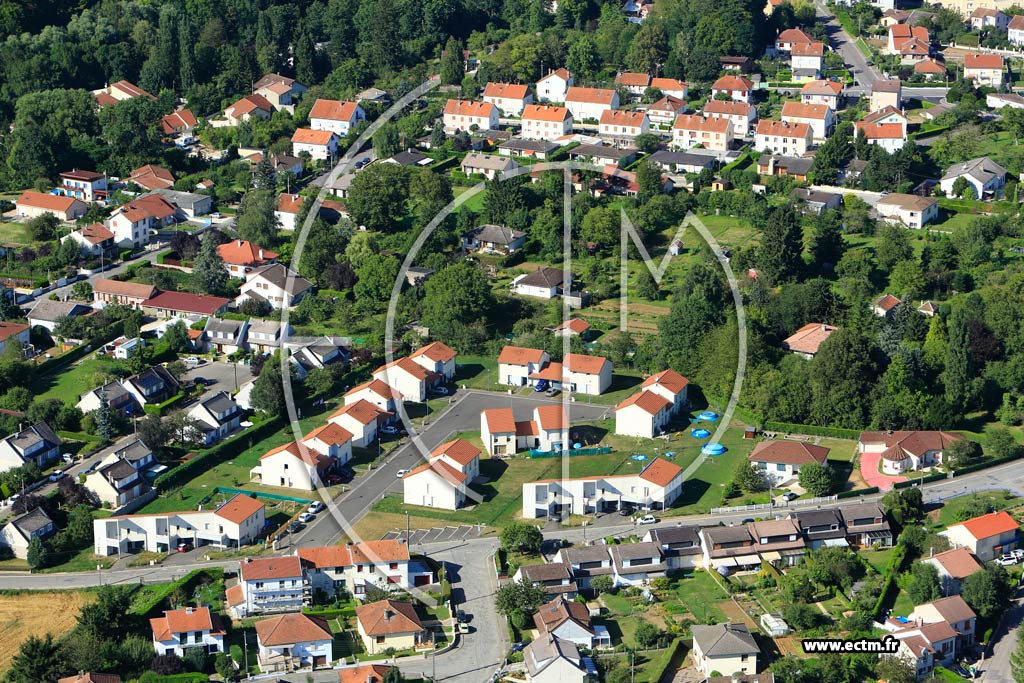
x=997, y=501
x=79, y=378
x=14, y=233
x=31, y=613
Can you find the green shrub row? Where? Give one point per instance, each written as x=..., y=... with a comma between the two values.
x=920, y=480
x=983, y=465
x=222, y=452
x=153, y=677
x=662, y=660
x=154, y=599
x=159, y=408
x=813, y=430
x=891, y=572
x=857, y=492
x=342, y=613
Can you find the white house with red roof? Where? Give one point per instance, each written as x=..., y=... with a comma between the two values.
x=131, y=222
x=655, y=487
x=465, y=114
x=621, y=127
x=32, y=204
x=237, y=521
x=781, y=461
x=779, y=137
x=953, y=567
x=901, y=33
x=670, y=385
x=743, y=115
x=296, y=464
x=516, y=364
x=819, y=117
x=738, y=88
x=287, y=210
x=268, y=584
x=336, y=116
x=984, y=69
x=442, y=481
x=807, y=341
x=664, y=111
x=498, y=431
x=119, y=92
x=886, y=128
x=318, y=144
x=987, y=536
x=904, y=451
x=331, y=440
x=633, y=82
x=248, y=108
x=554, y=86
x=376, y=392
x=93, y=239
x=408, y=378
x=281, y=91
x=356, y=566
x=242, y=256
x=644, y=414
x=671, y=87
x=589, y=103
x=785, y=41
x=89, y=186
x=293, y=641
x=360, y=418
x=437, y=357
x=181, y=629
x=691, y=130
x=545, y=122
x=884, y=305
x=829, y=93
x=573, y=327
x=509, y=98
x=806, y=61
x=578, y=373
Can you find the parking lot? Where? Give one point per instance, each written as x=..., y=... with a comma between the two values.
x=435, y=535
x=220, y=375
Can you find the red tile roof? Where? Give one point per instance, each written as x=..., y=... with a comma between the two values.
x=367, y=673
x=154, y=206
x=506, y=90
x=135, y=290
x=958, y=563
x=459, y=450
x=334, y=110
x=408, y=366
x=499, y=420
x=47, y=201
x=661, y=472
x=562, y=73
x=701, y=123
x=648, y=401
x=245, y=253
x=290, y=203
x=439, y=352
x=388, y=617
x=538, y=112
x=728, y=107
x=152, y=177
x=382, y=389
x=668, y=84
x=584, y=364
x=879, y=131
x=808, y=339
x=8, y=329
x=307, y=136
x=670, y=379
x=822, y=88
x=187, y=303
x=249, y=104
x=184, y=620
x=263, y=568
x=575, y=325
x=992, y=524
x=788, y=452
x=793, y=35
x=289, y=629
x=330, y=433
x=468, y=108
x=814, y=49
x=782, y=129
x=362, y=411
x=96, y=233
x=887, y=302
x=551, y=417
x=239, y=508
x=590, y=95
x=800, y=110
x=733, y=83
x=619, y=117
x=634, y=79
x=973, y=60
x=183, y=118
x=440, y=468
x=517, y=355
x=300, y=452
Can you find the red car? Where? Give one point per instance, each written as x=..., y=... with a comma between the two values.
x=184, y=547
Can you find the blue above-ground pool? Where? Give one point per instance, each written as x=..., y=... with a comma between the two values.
x=708, y=415
x=713, y=449
x=639, y=458
x=700, y=433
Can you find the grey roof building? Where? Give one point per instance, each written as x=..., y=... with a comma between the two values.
x=681, y=162
x=192, y=204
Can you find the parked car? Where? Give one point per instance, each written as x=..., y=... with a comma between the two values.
x=790, y=495
x=315, y=507
x=390, y=430
x=56, y=475
x=540, y=386
x=625, y=511
x=402, y=473
x=440, y=391
x=296, y=526
x=184, y=547
x=552, y=392
x=463, y=627
x=307, y=517
x=193, y=360
x=67, y=457
x=1003, y=560
x=518, y=647
x=647, y=519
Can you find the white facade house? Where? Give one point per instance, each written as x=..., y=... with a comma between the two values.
x=550, y=659
x=36, y=444
x=984, y=175
x=819, y=117
x=516, y=364
x=779, y=137
x=297, y=464
x=292, y=641
x=671, y=87
x=335, y=116
x=318, y=144
x=644, y=414
x=623, y=126
x=577, y=373
x=987, y=536
x=545, y=122
x=656, y=487
x=276, y=284
x=724, y=648
x=408, y=378
x=743, y=115
x=436, y=357
x=33, y=204
x=908, y=210
x=183, y=629
x=360, y=418
x=376, y=392
x=738, y=88
x=781, y=461
x=19, y=532
x=543, y=283
x=587, y=104
x=216, y=416
x=984, y=69
x=713, y=133
x=467, y=115
x=1015, y=30
x=670, y=385
x=231, y=524
x=268, y=584
x=806, y=61
x=89, y=186
x=906, y=451
x=554, y=86
x=498, y=431
x=354, y=567
x=509, y=98
x=442, y=481
x=829, y=93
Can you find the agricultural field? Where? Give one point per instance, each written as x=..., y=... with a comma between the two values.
x=29, y=613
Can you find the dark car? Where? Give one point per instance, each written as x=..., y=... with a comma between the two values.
x=625, y=511
x=296, y=526
x=518, y=647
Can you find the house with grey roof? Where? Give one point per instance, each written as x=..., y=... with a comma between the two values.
x=310, y=354
x=36, y=444
x=47, y=313
x=264, y=336
x=821, y=527
x=554, y=577
x=543, y=283
x=117, y=482
x=725, y=648
x=550, y=659
x=226, y=336
x=536, y=149
x=152, y=386
x=410, y=157
x=189, y=203
x=985, y=176
x=816, y=201
x=120, y=400
x=493, y=239
x=216, y=416
x=603, y=155
x=680, y=546
x=275, y=284
x=672, y=161
x=637, y=563
x=586, y=562
x=20, y=531
x=490, y=166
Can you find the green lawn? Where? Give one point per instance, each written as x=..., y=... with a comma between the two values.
x=82, y=376
x=700, y=594
x=997, y=501
x=14, y=233
x=879, y=559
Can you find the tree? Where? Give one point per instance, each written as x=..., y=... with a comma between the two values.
x=922, y=583
x=961, y=453
x=906, y=279
x=455, y=298
x=1001, y=443
x=104, y=419
x=387, y=141
x=817, y=479
x=105, y=617
x=749, y=478
x=210, y=272
x=377, y=197
x=904, y=505
x=452, y=69
x=223, y=666
x=152, y=432
x=583, y=60
x=268, y=390
x=519, y=596
x=38, y=659
x=393, y=675
x=959, y=366
x=647, y=634
x=521, y=537
x=648, y=179
x=256, y=221
x=895, y=670
x=779, y=256
x=167, y=665
x=647, y=143
x=430, y=192
x=602, y=584
x=38, y=555
x=893, y=246
x=961, y=185
x=43, y=228
x=647, y=286
x=988, y=592
x=649, y=48
x=376, y=278
x=130, y=128
x=827, y=243
x=176, y=335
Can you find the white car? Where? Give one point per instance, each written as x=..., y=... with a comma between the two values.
x=402, y=473
x=389, y=429
x=56, y=475
x=315, y=507
x=192, y=360
x=647, y=519
x=67, y=457
x=307, y=517
x=1006, y=560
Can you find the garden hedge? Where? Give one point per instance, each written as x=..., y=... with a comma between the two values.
x=813, y=430
x=222, y=452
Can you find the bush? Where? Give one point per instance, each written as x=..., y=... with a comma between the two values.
x=222, y=452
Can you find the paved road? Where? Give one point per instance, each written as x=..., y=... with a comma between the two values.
x=996, y=668
x=221, y=375
x=462, y=415
x=843, y=43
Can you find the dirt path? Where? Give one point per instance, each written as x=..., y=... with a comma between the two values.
x=736, y=613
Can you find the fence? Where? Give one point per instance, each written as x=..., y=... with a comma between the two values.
x=260, y=494
x=771, y=506
x=579, y=451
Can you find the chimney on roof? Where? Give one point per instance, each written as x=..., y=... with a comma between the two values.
x=388, y=614
x=188, y=610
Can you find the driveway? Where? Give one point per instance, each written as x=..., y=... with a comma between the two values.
x=221, y=375
x=996, y=668
x=872, y=477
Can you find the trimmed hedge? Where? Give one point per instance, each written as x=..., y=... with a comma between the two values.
x=222, y=452
x=662, y=660
x=920, y=480
x=159, y=408
x=984, y=465
x=813, y=430
x=857, y=492
x=343, y=613
x=895, y=565
x=153, y=677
